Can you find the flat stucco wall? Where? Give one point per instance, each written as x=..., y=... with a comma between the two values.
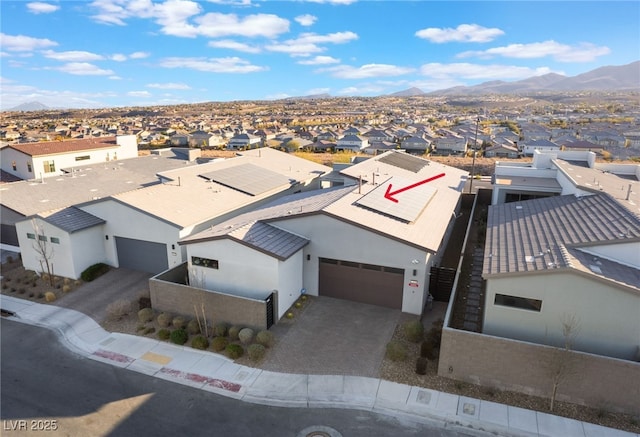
x=167, y=294
x=504, y=364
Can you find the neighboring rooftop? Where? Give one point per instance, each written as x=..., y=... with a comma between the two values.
x=66, y=146
x=71, y=219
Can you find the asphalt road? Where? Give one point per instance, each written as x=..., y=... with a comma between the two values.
x=45, y=386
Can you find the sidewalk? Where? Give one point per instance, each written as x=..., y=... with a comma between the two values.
x=218, y=374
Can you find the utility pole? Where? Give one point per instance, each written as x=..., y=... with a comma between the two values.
x=473, y=163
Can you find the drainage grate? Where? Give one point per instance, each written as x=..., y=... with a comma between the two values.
x=319, y=431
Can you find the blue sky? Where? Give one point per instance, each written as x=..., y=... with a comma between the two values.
x=108, y=53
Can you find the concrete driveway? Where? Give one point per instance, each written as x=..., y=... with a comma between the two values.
x=333, y=337
x=92, y=298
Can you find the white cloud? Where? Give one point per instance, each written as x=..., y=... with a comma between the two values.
x=333, y=38
x=361, y=90
x=14, y=94
x=306, y=19
x=258, y=25
x=139, y=55
x=295, y=49
x=307, y=43
x=114, y=78
x=480, y=72
x=139, y=94
x=366, y=71
x=82, y=69
x=462, y=33
x=234, y=45
x=118, y=57
x=584, y=52
x=21, y=43
x=213, y=65
x=320, y=60
x=333, y=2
x=315, y=91
x=72, y=56
x=169, y=86
x=41, y=8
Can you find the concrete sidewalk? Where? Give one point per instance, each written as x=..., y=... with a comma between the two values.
x=216, y=373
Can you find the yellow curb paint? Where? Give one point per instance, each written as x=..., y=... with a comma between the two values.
x=156, y=358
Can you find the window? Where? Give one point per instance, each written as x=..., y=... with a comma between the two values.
x=522, y=303
x=29, y=169
x=55, y=240
x=83, y=158
x=49, y=166
x=42, y=237
x=204, y=262
x=31, y=236
x=14, y=166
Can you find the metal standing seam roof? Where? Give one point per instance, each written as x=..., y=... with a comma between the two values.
x=269, y=239
x=72, y=219
x=530, y=235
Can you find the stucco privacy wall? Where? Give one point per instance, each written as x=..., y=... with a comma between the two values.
x=614, y=385
x=169, y=294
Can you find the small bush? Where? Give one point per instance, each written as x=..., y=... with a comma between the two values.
x=164, y=320
x=427, y=350
x=179, y=322
x=21, y=290
x=218, y=344
x=265, y=338
x=193, y=327
x=94, y=271
x=220, y=329
x=289, y=315
x=233, y=332
x=145, y=315
x=164, y=334
x=245, y=336
x=256, y=352
x=179, y=336
x=413, y=331
x=5, y=286
x=40, y=295
x=421, y=366
x=144, y=302
x=200, y=342
x=49, y=296
x=140, y=328
x=66, y=281
x=234, y=351
x=118, y=309
x=396, y=351
x=149, y=330
x=66, y=288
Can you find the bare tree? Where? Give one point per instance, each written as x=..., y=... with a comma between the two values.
x=43, y=249
x=562, y=362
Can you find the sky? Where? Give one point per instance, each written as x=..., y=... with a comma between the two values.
x=118, y=53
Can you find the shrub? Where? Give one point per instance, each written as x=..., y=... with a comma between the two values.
x=427, y=350
x=413, y=331
x=233, y=332
x=193, y=327
x=245, y=335
x=164, y=320
x=396, y=351
x=49, y=296
x=149, y=330
x=94, y=271
x=145, y=315
x=118, y=309
x=421, y=366
x=434, y=335
x=66, y=281
x=265, y=338
x=9, y=259
x=220, y=329
x=144, y=302
x=289, y=315
x=179, y=322
x=200, y=342
x=164, y=334
x=256, y=352
x=179, y=336
x=218, y=344
x=234, y=351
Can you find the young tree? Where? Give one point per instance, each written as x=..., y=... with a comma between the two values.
x=562, y=363
x=43, y=249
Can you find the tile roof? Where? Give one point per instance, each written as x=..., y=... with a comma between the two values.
x=269, y=239
x=72, y=219
x=54, y=147
x=602, y=267
x=533, y=235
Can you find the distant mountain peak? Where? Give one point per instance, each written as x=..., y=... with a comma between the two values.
x=30, y=106
x=413, y=91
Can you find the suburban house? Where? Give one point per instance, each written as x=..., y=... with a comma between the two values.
x=48, y=159
x=140, y=228
x=416, y=144
x=450, y=143
x=348, y=242
x=502, y=151
x=352, y=142
x=542, y=145
x=244, y=141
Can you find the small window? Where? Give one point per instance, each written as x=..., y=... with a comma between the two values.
x=205, y=262
x=522, y=303
x=42, y=237
x=29, y=169
x=55, y=240
x=49, y=166
x=83, y=158
x=14, y=166
x=31, y=236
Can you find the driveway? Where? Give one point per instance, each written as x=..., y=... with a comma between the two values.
x=333, y=337
x=92, y=298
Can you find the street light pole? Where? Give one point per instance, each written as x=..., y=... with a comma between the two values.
x=473, y=163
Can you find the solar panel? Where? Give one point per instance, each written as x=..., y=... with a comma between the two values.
x=404, y=161
x=247, y=178
x=410, y=203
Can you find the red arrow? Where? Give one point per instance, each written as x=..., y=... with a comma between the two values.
x=389, y=194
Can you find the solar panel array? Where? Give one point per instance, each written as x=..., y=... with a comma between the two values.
x=248, y=178
x=410, y=203
x=404, y=161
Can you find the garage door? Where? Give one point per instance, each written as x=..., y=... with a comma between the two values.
x=366, y=283
x=142, y=255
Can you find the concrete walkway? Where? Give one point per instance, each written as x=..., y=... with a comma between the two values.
x=215, y=373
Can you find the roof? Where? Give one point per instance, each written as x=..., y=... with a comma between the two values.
x=269, y=239
x=532, y=235
x=56, y=147
x=71, y=219
x=603, y=268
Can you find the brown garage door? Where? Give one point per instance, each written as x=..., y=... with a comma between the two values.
x=366, y=283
